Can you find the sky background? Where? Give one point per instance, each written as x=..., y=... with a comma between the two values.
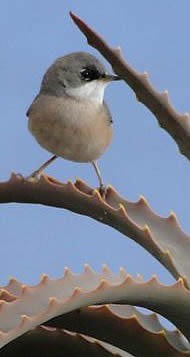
x=142, y=159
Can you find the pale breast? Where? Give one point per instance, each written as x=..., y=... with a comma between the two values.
x=75, y=130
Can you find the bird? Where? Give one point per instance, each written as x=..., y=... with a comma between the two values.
x=69, y=117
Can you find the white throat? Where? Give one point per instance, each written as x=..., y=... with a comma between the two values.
x=93, y=91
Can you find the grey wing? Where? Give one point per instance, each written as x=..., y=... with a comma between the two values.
x=108, y=112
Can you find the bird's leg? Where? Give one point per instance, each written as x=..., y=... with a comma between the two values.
x=42, y=167
x=101, y=187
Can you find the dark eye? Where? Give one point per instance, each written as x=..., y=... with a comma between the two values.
x=88, y=74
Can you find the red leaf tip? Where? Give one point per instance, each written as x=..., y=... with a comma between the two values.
x=73, y=16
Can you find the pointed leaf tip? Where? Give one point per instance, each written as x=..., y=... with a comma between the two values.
x=96, y=194
x=123, y=210
x=142, y=200
x=53, y=302
x=172, y=216
x=180, y=283
x=77, y=20
x=67, y=272
x=44, y=278
x=76, y=292
x=146, y=229
x=144, y=76
x=109, y=188
x=24, y=320
x=88, y=269
x=24, y=289
x=122, y=272
x=103, y=284
x=71, y=14
x=164, y=96
x=105, y=269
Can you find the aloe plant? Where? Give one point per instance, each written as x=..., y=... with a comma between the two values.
x=94, y=314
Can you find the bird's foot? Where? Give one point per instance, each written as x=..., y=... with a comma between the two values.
x=102, y=189
x=34, y=176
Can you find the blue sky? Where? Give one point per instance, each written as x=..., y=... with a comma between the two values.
x=142, y=159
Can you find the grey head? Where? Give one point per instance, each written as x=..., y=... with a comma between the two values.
x=68, y=74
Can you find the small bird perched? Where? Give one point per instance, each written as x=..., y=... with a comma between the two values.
x=69, y=117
